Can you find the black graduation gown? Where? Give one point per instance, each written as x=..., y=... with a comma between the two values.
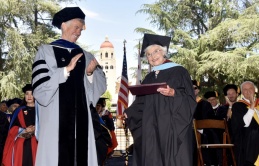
x=161, y=126
x=245, y=139
x=202, y=110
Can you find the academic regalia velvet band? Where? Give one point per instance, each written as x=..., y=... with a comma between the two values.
x=53, y=91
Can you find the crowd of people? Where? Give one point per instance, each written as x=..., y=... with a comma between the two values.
x=62, y=120
x=241, y=112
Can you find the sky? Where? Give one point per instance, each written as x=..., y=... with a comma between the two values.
x=116, y=19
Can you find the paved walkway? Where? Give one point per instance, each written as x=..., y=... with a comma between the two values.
x=118, y=161
x=118, y=158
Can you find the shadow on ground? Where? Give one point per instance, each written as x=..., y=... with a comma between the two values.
x=118, y=161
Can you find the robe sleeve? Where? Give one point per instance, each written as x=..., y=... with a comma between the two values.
x=184, y=103
x=134, y=113
x=46, y=75
x=98, y=85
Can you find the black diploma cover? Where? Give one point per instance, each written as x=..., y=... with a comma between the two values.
x=146, y=89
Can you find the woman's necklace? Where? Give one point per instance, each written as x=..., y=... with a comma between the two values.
x=215, y=109
x=156, y=73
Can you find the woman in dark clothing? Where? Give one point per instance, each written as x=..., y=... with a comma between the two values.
x=21, y=144
x=161, y=123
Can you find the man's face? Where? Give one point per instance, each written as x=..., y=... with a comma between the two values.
x=72, y=30
x=98, y=108
x=232, y=95
x=3, y=107
x=248, y=90
x=196, y=90
x=213, y=101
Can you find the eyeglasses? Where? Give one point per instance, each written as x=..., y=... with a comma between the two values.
x=153, y=53
x=195, y=87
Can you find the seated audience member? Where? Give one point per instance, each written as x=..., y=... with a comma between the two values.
x=203, y=108
x=3, y=106
x=12, y=104
x=202, y=111
x=213, y=98
x=245, y=126
x=108, y=120
x=102, y=134
x=21, y=144
x=4, y=125
x=231, y=92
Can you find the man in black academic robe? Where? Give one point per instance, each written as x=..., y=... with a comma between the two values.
x=245, y=127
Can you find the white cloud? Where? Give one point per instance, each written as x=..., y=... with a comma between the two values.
x=90, y=14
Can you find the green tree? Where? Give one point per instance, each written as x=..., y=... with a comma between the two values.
x=108, y=95
x=24, y=26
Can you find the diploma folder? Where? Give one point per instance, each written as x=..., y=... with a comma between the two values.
x=146, y=89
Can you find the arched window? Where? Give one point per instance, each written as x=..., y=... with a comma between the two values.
x=112, y=55
x=106, y=67
x=106, y=55
x=101, y=55
x=111, y=67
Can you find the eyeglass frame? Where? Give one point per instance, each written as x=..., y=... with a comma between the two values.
x=153, y=53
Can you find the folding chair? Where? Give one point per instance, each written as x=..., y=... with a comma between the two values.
x=226, y=141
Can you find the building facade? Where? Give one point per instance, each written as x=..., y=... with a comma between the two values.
x=107, y=60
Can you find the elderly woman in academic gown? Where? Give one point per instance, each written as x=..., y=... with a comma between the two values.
x=161, y=123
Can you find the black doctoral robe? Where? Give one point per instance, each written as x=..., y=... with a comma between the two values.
x=245, y=139
x=162, y=126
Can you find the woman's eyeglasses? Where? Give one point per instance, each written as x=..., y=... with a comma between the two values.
x=153, y=53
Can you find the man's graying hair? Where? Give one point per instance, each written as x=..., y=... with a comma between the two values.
x=250, y=82
x=69, y=21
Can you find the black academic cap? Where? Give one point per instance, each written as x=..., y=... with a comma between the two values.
x=27, y=87
x=230, y=86
x=13, y=101
x=66, y=14
x=102, y=101
x=150, y=39
x=3, y=101
x=211, y=94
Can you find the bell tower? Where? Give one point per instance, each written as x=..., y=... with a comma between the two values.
x=108, y=62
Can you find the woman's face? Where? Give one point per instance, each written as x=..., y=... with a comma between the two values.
x=155, y=55
x=29, y=97
x=213, y=101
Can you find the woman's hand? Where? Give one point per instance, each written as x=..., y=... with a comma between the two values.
x=166, y=91
x=30, y=129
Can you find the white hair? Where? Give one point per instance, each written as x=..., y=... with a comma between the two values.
x=250, y=82
x=69, y=22
x=163, y=48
